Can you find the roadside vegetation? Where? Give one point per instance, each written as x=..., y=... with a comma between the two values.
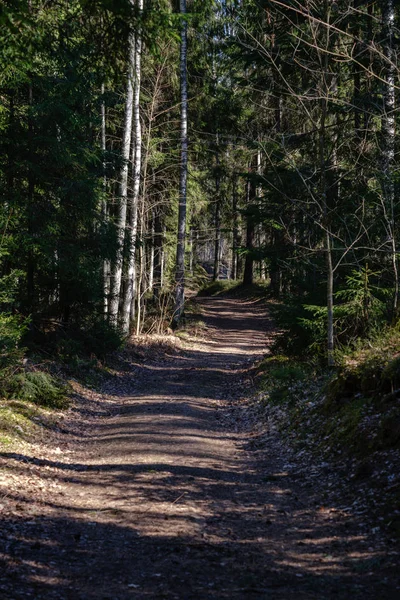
x=347, y=416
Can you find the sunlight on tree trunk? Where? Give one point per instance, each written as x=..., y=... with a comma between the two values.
x=180, y=251
x=116, y=279
x=129, y=290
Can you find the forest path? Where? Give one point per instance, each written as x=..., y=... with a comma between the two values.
x=161, y=499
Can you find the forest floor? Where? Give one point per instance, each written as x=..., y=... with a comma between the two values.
x=151, y=489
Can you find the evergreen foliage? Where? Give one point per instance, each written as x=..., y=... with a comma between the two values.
x=292, y=165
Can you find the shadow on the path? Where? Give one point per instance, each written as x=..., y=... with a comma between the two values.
x=163, y=505
x=84, y=558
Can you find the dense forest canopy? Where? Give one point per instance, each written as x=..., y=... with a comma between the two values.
x=148, y=144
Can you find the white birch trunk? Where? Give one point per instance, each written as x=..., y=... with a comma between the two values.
x=180, y=250
x=116, y=278
x=260, y=227
x=130, y=287
x=164, y=258
x=388, y=135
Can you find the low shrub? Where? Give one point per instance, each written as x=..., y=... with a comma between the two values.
x=77, y=344
x=40, y=388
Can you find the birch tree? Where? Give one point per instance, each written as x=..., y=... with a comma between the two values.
x=180, y=251
x=388, y=138
x=128, y=311
x=116, y=278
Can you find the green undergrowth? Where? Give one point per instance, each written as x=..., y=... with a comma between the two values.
x=361, y=309
x=353, y=409
x=364, y=392
x=30, y=399
x=23, y=420
x=38, y=387
x=347, y=418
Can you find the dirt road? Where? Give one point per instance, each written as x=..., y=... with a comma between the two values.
x=158, y=497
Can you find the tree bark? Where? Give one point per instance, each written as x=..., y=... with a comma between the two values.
x=158, y=246
x=324, y=197
x=250, y=231
x=357, y=73
x=116, y=278
x=130, y=287
x=104, y=207
x=235, y=228
x=141, y=283
x=388, y=138
x=30, y=276
x=180, y=251
x=191, y=254
x=151, y=254
x=217, y=239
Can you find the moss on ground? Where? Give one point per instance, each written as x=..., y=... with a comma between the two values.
x=355, y=409
x=17, y=421
x=29, y=400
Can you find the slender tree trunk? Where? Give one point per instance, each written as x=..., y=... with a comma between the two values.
x=151, y=254
x=129, y=292
x=31, y=192
x=248, y=265
x=158, y=245
x=357, y=74
x=324, y=196
x=164, y=257
x=116, y=279
x=274, y=266
x=260, y=231
x=180, y=251
x=140, y=204
x=369, y=67
x=329, y=292
x=250, y=231
x=141, y=279
x=217, y=239
x=388, y=138
x=235, y=233
x=130, y=298
x=191, y=251
x=104, y=207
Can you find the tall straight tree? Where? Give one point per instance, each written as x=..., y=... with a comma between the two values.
x=388, y=138
x=116, y=279
x=129, y=290
x=250, y=230
x=180, y=250
x=104, y=207
x=217, y=240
